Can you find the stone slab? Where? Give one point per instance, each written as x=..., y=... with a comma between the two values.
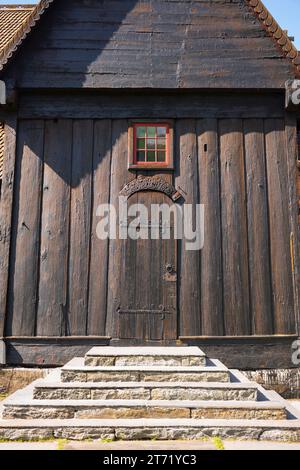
x=259, y=445
x=139, y=429
x=166, y=356
x=78, y=364
x=146, y=390
x=148, y=445
x=149, y=385
x=145, y=376
x=144, y=360
x=146, y=351
x=21, y=405
x=76, y=370
x=142, y=445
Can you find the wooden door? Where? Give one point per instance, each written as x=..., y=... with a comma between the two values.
x=147, y=310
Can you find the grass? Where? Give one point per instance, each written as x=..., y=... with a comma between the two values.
x=218, y=443
x=106, y=440
x=61, y=443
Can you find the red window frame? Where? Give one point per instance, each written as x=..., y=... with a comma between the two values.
x=154, y=164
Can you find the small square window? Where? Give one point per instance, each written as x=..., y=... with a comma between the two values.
x=150, y=145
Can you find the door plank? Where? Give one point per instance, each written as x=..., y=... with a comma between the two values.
x=119, y=177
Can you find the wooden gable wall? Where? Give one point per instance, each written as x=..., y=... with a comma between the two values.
x=298, y=164
x=150, y=44
x=63, y=281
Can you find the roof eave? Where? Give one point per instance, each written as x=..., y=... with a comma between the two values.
x=9, y=50
x=277, y=33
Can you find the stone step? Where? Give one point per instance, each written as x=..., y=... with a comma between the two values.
x=77, y=371
x=135, y=356
x=150, y=429
x=145, y=391
x=21, y=405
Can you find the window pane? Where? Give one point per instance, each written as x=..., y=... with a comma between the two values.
x=161, y=156
x=140, y=131
x=161, y=144
x=140, y=156
x=151, y=144
x=150, y=156
x=161, y=132
x=151, y=131
x=140, y=143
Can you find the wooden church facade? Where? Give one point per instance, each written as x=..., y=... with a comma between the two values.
x=209, y=78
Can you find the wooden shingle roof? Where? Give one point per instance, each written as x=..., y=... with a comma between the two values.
x=12, y=17
x=17, y=21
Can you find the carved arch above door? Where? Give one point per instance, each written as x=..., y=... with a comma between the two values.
x=151, y=183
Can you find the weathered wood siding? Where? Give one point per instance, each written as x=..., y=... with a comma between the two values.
x=63, y=280
x=298, y=164
x=150, y=44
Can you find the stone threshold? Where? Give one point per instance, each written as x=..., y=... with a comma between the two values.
x=169, y=351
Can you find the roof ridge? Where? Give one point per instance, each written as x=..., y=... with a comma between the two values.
x=276, y=32
x=17, y=6
x=23, y=31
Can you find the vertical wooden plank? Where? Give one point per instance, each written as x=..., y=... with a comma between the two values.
x=99, y=248
x=293, y=178
x=186, y=179
x=280, y=228
x=24, y=260
x=52, y=306
x=234, y=229
x=211, y=254
x=80, y=226
x=119, y=177
x=258, y=228
x=6, y=206
x=1, y=152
